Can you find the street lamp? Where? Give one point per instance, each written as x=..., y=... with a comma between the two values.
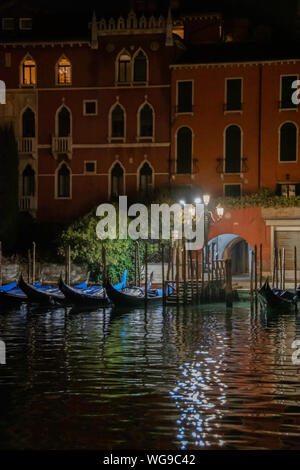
x=206, y=199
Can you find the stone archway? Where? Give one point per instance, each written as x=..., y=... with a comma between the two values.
x=234, y=247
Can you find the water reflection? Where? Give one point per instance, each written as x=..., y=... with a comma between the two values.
x=189, y=378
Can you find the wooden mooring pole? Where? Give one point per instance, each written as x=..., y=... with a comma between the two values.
x=0, y=263
x=251, y=275
x=260, y=265
x=283, y=268
x=29, y=264
x=177, y=272
x=228, y=285
x=104, y=269
x=146, y=272
x=163, y=274
x=295, y=267
x=33, y=261
x=280, y=269
x=255, y=270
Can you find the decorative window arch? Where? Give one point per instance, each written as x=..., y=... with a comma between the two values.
x=63, y=71
x=117, y=122
x=28, y=181
x=233, y=149
x=63, y=181
x=145, y=178
x=184, y=149
x=63, y=124
x=288, y=142
x=116, y=180
x=111, y=24
x=28, y=71
x=140, y=66
x=123, y=67
x=145, y=121
x=143, y=22
x=121, y=23
x=28, y=123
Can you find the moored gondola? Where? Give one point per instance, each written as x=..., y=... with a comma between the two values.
x=132, y=296
x=42, y=294
x=94, y=296
x=276, y=299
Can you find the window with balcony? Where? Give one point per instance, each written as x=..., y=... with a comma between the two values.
x=28, y=72
x=288, y=142
x=117, y=122
x=184, y=97
x=232, y=190
x=63, y=72
x=28, y=182
x=233, y=149
x=145, y=179
x=140, y=67
x=63, y=122
x=233, y=94
x=146, y=121
x=124, y=68
x=63, y=182
x=287, y=91
x=184, y=150
x=117, y=181
x=28, y=123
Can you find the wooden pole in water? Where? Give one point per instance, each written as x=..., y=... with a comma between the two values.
x=255, y=270
x=135, y=263
x=251, y=275
x=202, y=274
x=146, y=272
x=184, y=270
x=260, y=265
x=280, y=269
x=163, y=274
x=177, y=272
x=69, y=264
x=29, y=264
x=138, y=264
x=33, y=261
x=274, y=269
x=0, y=263
x=190, y=255
x=197, y=274
x=295, y=267
x=277, y=268
x=228, y=288
x=283, y=268
x=208, y=273
x=104, y=271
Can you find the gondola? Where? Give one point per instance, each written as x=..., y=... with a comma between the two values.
x=276, y=299
x=132, y=296
x=45, y=295
x=8, y=287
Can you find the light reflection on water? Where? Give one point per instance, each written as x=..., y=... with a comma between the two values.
x=193, y=378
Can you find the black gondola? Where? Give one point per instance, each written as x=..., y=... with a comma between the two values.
x=131, y=296
x=276, y=299
x=94, y=296
x=42, y=295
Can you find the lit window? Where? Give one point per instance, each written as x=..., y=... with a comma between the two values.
x=29, y=72
x=288, y=190
x=25, y=24
x=64, y=71
x=178, y=29
x=124, y=65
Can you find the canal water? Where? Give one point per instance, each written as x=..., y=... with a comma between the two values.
x=193, y=378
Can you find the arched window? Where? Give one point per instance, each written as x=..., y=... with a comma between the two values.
x=288, y=142
x=28, y=72
x=184, y=150
x=63, y=181
x=124, y=66
x=63, y=122
x=117, y=181
x=140, y=67
x=28, y=181
x=233, y=146
x=28, y=123
x=146, y=121
x=145, y=179
x=117, y=122
x=63, y=71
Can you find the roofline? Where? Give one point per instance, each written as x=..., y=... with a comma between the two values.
x=45, y=43
x=202, y=16
x=223, y=64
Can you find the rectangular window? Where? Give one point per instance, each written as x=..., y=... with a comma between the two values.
x=90, y=167
x=184, y=97
x=287, y=91
x=233, y=94
x=232, y=190
x=288, y=190
x=8, y=24
x=29, y=72
x=25, y=24
x=90, y=107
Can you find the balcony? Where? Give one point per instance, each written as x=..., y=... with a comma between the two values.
x=222, y=168
x=27, y=146
x=27, y=204
x=61, y=146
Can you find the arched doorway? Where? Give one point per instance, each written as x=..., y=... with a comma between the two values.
x=234, y=247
